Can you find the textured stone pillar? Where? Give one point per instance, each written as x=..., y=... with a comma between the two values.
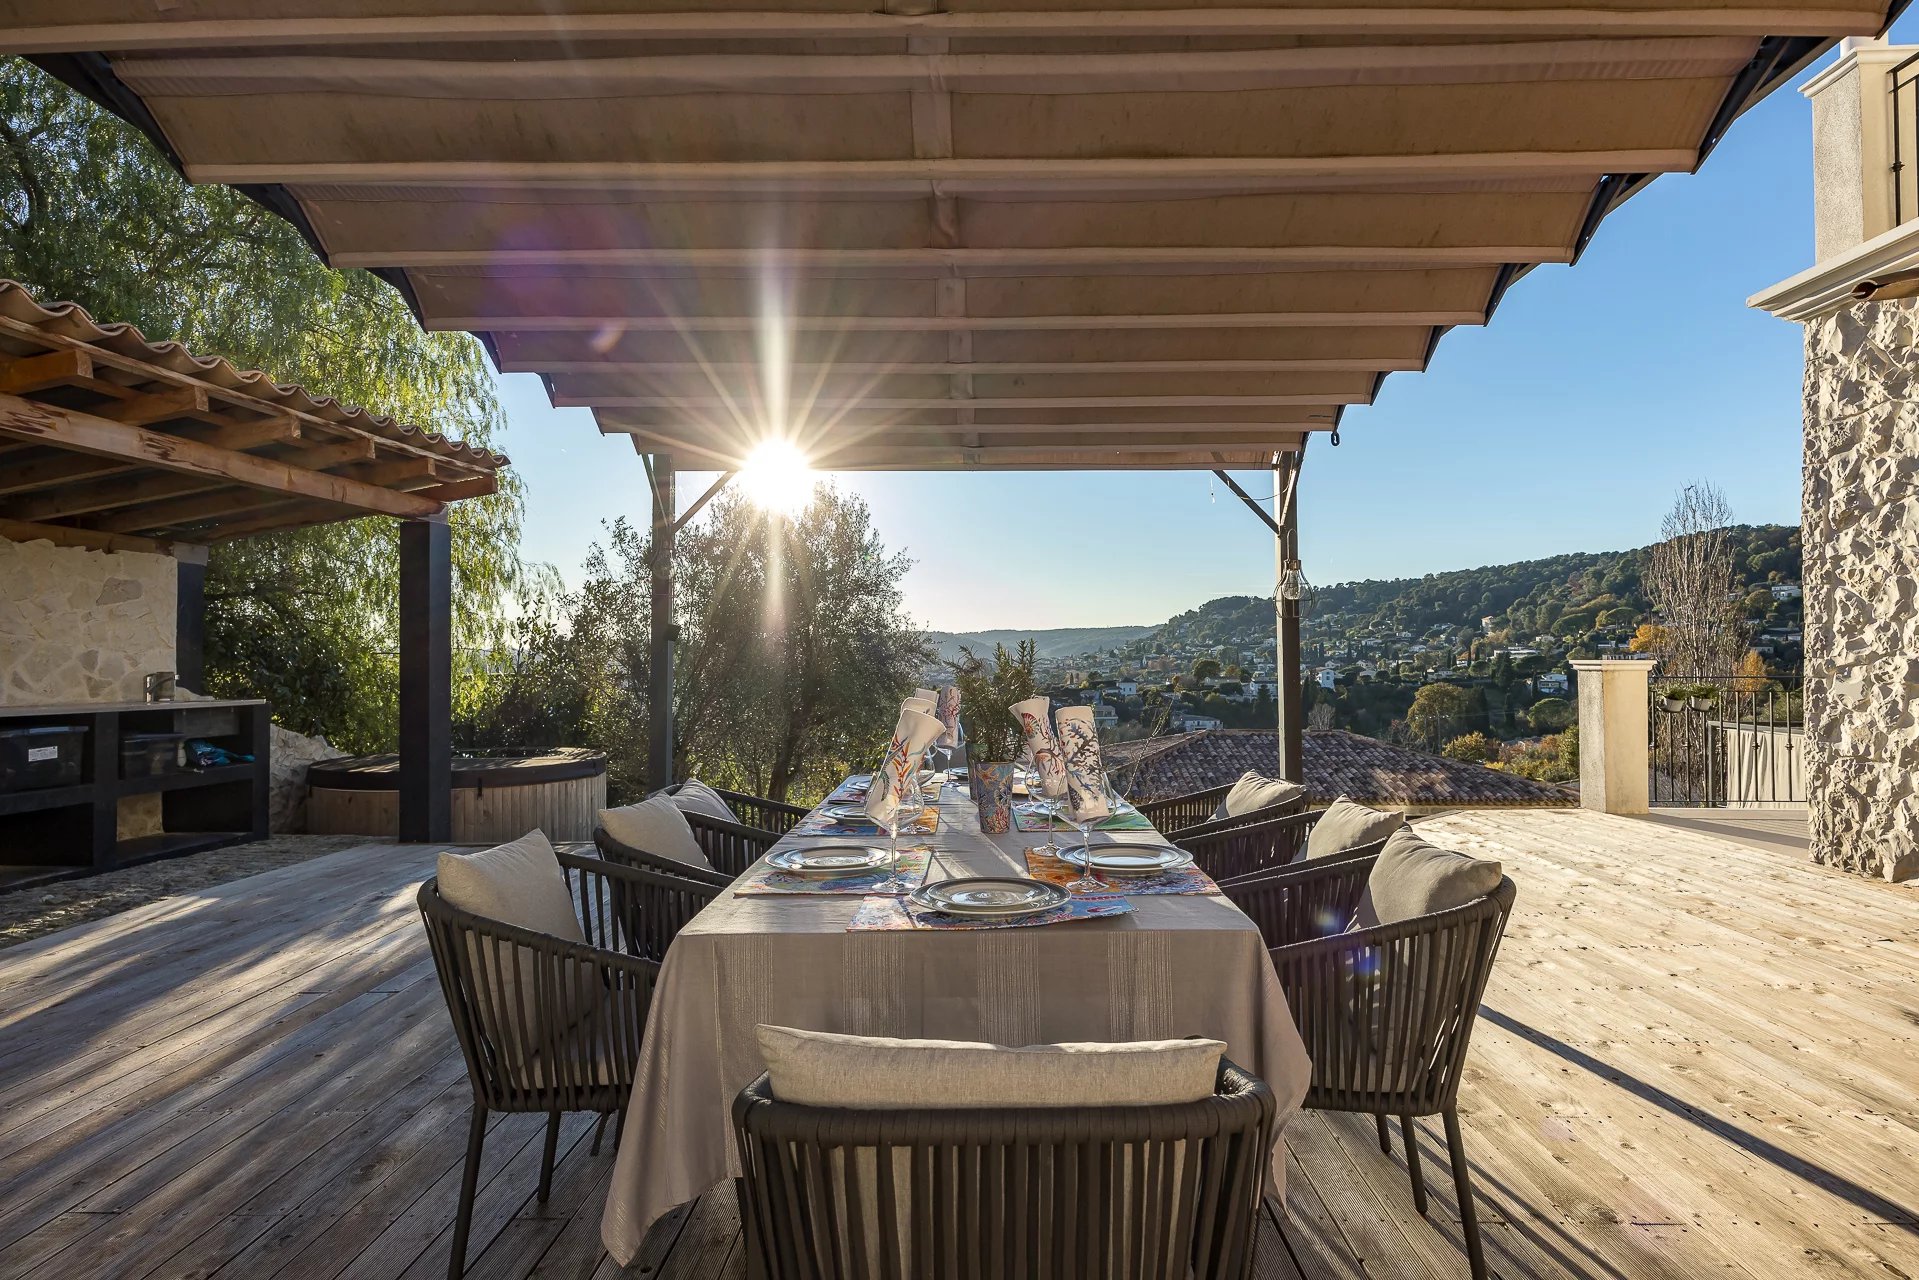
x=1613, y=734
x=1860, y=534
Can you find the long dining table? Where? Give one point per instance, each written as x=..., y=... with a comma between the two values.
x=1176, y=965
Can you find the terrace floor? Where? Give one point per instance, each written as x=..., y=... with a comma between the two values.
x=1695, y=1058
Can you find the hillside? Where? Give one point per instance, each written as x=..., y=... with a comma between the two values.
x=1054, y=642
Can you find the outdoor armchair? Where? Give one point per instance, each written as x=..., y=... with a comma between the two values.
x=546, y=1025
x=613, y=849
x=776, y=816
x=1387, y=1012
x=1244, y=848
x=1146, y=1192
x=1197, y=813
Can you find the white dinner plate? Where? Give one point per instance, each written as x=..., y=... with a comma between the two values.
x=828, y=859
x=1129, y=859
x=995, y=897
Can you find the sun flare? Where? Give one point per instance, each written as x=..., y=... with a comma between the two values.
x=777, y=479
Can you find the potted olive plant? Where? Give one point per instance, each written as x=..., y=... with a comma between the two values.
x=988, y=687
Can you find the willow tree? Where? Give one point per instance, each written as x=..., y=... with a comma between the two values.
x=91, y=212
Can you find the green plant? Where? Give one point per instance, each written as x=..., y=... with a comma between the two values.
x=988, y=687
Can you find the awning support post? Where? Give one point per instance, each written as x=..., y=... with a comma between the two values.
x=660, y=740
x=426, y=680
x=1288, y=670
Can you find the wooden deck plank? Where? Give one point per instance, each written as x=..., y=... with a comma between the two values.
x=1694, y=1060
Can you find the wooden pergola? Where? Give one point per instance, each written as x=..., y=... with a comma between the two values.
x=943, y=234
x=115, y=443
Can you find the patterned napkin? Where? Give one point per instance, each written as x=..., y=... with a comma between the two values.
x=1049, y=767
x=1029, y=816
x=1044, y=866
x=925, y=823
x=900, y=766
x=947, y=712
x=1085, y=776
x=763, y=880
x=890, y=914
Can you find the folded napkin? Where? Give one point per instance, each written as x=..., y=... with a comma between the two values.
x=888, y=914
x=899, y=770
x=1085, y=776
x=947, y=712
x=927, y=694
x=917, y=704
x=1049, y=768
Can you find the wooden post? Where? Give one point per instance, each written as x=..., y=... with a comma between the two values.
x=190, y=619
x=426, y=680
x=659, y=752
x=1287, y=670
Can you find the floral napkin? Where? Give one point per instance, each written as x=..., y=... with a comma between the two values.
x=1085, y=775
x=947, y=712
x=889, y=914
x=1044, y=866
x=765, y=880
x=1049, y=768
x=900, y=766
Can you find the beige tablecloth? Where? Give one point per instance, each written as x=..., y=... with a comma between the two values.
x=1177, y=966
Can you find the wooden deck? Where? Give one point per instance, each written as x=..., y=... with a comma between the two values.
x=1695, y=1058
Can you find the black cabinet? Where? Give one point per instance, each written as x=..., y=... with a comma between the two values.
x=74, y=827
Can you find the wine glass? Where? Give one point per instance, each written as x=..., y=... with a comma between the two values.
x=910, y=800
x=1048, y=797
x=1082, y=819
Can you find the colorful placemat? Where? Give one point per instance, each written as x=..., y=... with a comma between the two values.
x=853, y=790
x=888, y=914
x=1030, y=817
x=764, y=881
x=818, y=824
x=1044, y=866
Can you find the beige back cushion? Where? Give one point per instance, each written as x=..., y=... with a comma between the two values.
x=656, y=826
x=1256, y=791
x=825, y=1069
x=694, y=796
x=518, y=883
x=1346, y=825
x=1412, y=879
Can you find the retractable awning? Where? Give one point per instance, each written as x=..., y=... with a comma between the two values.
x=1057, y=233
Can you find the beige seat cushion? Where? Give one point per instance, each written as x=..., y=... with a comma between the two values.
x=655, y=825
x=825, y=1069
x=518, y=883
x=1413, y=878
x=1256, y=791
x=1346, y=826
x=694, y=796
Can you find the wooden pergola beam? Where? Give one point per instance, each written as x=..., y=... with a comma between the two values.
x=94, y=540
x=720, y=408
x=801, y=373
x=150, y=407
x=553, y=26
x=191, y=510
x=88, y=433
x=27, y=374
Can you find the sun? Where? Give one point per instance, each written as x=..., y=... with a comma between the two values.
x=777, y=479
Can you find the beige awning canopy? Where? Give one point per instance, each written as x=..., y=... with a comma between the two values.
x=1069, y=233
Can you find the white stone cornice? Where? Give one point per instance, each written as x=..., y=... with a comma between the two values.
x=1828, y=286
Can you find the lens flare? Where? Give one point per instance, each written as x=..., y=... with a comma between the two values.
x=777, y=479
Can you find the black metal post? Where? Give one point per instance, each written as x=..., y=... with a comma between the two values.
x=659, y=751
x=426, y=680
x=190, y=619
x=1288, y=670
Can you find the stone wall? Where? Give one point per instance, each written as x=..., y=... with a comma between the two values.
x=82, y=626
x=86, y=626
x=1861, y=537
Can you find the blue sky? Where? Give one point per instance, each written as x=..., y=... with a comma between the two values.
x=1565, y=425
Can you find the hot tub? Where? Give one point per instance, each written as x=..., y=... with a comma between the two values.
x=495, y=798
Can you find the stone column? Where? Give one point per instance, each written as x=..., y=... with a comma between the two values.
x=1613, y=733
x=1860, y=534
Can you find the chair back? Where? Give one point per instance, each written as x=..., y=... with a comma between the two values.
x=1253, y=817
x=1147, y=1193
x=543, y=1023
x=626, y=855
x=653, y=905
x=1249, y=848
x=1387, y=1013
x=731, y=847
x=1303, y=900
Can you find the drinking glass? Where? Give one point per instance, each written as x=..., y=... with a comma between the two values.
x=1082, y=820
x=910, y=801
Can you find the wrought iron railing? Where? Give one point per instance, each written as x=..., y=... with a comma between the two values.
x=1904, y=81
x=1727, y=741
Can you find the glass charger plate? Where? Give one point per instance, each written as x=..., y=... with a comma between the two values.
x=1129, y=859
x=990, y=896
x=828, y=858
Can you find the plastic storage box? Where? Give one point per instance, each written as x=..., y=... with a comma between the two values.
x=37, y=756
x=148, y=755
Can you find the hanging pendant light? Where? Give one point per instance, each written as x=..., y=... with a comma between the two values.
x=1292, y=583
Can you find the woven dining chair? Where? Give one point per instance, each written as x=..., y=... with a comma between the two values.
x=1193, y=814
x=627, y=855
x=1387, y=1013
x=776, y=816
x=1147, y=1192
x=1255, y=848
x=546, y=1025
